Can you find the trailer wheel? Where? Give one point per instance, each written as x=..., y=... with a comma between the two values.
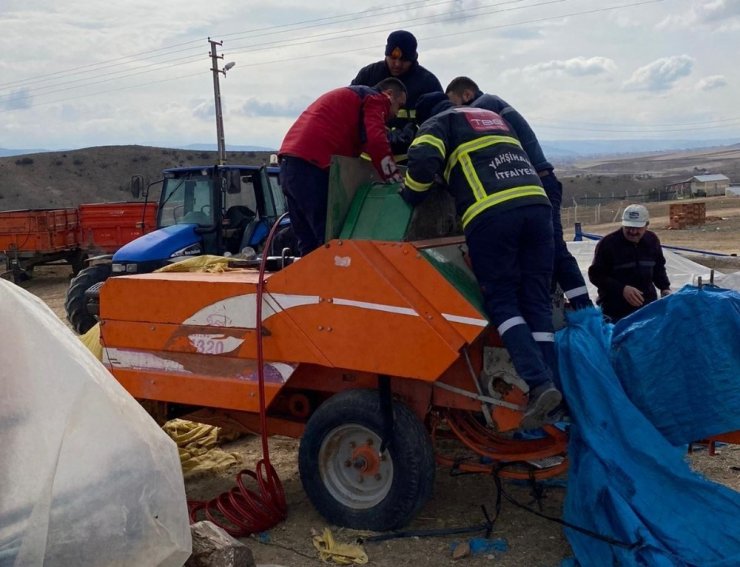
x=75, y=304
x=345, y=478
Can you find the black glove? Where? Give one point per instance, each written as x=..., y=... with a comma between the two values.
x=401, y=138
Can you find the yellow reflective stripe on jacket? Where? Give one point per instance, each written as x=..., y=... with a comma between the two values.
x=501, y=197
x=471, y=175
x=404, y=113
x=414, y=185
x=474, y=145
x=432, y=141
x=366, y=156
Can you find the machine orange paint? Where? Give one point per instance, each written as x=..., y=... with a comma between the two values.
x=377, y=355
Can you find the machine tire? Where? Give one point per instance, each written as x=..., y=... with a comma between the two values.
x=75, y=304
x=338, y=434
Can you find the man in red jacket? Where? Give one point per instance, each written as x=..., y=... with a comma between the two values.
x=347, y=122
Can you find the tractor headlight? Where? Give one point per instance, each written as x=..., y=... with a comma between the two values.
x=125, y=268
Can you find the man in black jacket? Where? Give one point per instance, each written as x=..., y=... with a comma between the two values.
x=401, y=61
x=628, y=265
x=463, y=90
x=507, y=221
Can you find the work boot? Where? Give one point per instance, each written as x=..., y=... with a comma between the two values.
x=559, y=415
x=542, y=400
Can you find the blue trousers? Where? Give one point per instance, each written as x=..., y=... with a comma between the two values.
x=512, y=257
x=306, y=190
x=566, y=272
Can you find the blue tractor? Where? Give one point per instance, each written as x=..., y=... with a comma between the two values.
x=217, y=209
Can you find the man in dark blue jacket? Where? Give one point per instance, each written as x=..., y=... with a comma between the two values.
x=507, y=221
x=567, y=274
x=401, y=62
x=628, y=265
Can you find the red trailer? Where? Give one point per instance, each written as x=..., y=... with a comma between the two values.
x=31, y=237
x=105, y=227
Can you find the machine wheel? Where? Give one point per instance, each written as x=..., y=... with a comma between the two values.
x=345, y=478
x=75, y=304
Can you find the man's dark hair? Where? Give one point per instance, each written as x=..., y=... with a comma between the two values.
x=459, y=84
x=392, y=84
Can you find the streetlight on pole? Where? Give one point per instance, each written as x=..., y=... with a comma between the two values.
x=217, y=96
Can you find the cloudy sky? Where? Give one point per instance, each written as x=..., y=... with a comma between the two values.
x=81, y=73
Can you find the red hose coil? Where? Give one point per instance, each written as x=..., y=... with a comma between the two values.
x=247, y=511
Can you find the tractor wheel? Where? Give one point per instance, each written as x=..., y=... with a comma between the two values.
x=345, y=478
x=75, y=304
x=77, y=261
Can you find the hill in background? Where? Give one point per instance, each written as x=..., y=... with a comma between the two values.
x=93, y=175
x=102, y=174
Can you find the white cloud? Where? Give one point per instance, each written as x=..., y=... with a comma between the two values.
x=16, y=99
x=711, y=83
x=718, y=10
x=660, y=75
x=577, y=66
x=720, y=15
x=289, y=109
x=81, y=73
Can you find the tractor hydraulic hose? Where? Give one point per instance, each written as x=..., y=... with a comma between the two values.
x=246, y=511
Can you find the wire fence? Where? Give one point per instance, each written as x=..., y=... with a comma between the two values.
x=602, y=208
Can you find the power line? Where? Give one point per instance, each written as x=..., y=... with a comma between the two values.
x=322, y=37
x=255, y=32
x=306, y=24
x=150, y=67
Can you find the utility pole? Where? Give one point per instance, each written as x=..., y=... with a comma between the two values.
x=217, y=95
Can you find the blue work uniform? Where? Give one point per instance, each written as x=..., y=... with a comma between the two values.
x=566, y=272
x=507, y=221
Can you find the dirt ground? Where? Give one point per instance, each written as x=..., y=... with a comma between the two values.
x=457, y=500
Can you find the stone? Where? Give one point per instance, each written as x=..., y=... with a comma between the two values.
x=213, y=547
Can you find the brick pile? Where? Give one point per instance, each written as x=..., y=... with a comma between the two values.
x=687, y=214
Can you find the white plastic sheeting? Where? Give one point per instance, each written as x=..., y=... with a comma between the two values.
x=681, y=271
x=87, y=478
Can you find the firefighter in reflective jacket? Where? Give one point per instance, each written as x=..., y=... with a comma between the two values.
x=463, y=90
x=507, y=221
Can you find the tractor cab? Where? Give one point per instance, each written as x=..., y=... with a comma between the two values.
x=230, y=207
x=220, y=210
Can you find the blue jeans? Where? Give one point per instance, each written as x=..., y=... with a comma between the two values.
x=512, y=257
x=306, y=190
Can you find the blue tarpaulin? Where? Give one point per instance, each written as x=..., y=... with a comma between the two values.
x=626, y=480
x=678, y=359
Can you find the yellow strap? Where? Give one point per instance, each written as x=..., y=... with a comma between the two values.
x=406, y=113
x=414, y=185
x=433, y=141
x=501, y=197
x=475, y=145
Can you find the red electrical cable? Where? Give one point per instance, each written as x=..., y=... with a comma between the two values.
x=247, y=511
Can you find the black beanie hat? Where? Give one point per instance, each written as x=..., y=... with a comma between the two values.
x=430, y=104
x=401, y=44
